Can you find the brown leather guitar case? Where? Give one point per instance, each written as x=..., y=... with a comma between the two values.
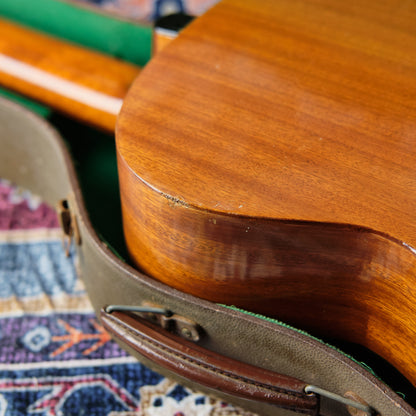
x=257, y=363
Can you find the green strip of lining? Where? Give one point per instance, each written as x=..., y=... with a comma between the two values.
x=37, y=108
x=125, y=39
x=300, y=331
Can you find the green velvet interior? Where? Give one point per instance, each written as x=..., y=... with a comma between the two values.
x=37, y=108
x=125, y=39
x=362, y=356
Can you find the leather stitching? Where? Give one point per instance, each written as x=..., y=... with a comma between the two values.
x=220, y=372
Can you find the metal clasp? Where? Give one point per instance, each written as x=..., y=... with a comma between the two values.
x=360, y=408
x=168, y=320
x=69, y=225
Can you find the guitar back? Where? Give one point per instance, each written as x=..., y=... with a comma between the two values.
x=267, y=160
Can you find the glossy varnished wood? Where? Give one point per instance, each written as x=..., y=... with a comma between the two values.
x=267, y=160
x=84, y=84
x=299, y=111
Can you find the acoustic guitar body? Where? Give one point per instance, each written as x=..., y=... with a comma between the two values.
x=267, y=161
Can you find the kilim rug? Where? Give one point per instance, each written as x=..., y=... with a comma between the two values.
x=151, y=9
x=55, y=358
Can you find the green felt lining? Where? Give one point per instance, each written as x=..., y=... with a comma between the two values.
x=300, y=331
x=373, y=363
x=37, y=108
x=127, y=40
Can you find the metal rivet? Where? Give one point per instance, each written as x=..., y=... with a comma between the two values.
x=359, y=406
x=186, y=332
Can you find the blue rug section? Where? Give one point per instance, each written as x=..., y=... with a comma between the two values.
x=75, y=390
x=55, y=337
x=55, y=357
x=32, y=269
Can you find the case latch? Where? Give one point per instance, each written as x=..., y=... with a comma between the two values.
x=69, y=225
x=172, y=322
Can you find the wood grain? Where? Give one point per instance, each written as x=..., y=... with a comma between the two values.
x=86, y=85
x=267, y=160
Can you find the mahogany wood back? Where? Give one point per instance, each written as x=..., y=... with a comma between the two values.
x=267, y=159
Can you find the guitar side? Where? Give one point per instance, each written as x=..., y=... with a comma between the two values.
x=272, y=169
x=333, y=280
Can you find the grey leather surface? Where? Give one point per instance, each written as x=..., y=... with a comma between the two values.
x=33, y=156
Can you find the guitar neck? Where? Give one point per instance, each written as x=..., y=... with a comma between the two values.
x=76, y=81
x=79, y=82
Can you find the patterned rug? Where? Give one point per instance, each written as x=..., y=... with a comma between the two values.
x=151, y=10
x=55, y=358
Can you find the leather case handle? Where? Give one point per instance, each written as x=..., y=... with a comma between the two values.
x=208, y=368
